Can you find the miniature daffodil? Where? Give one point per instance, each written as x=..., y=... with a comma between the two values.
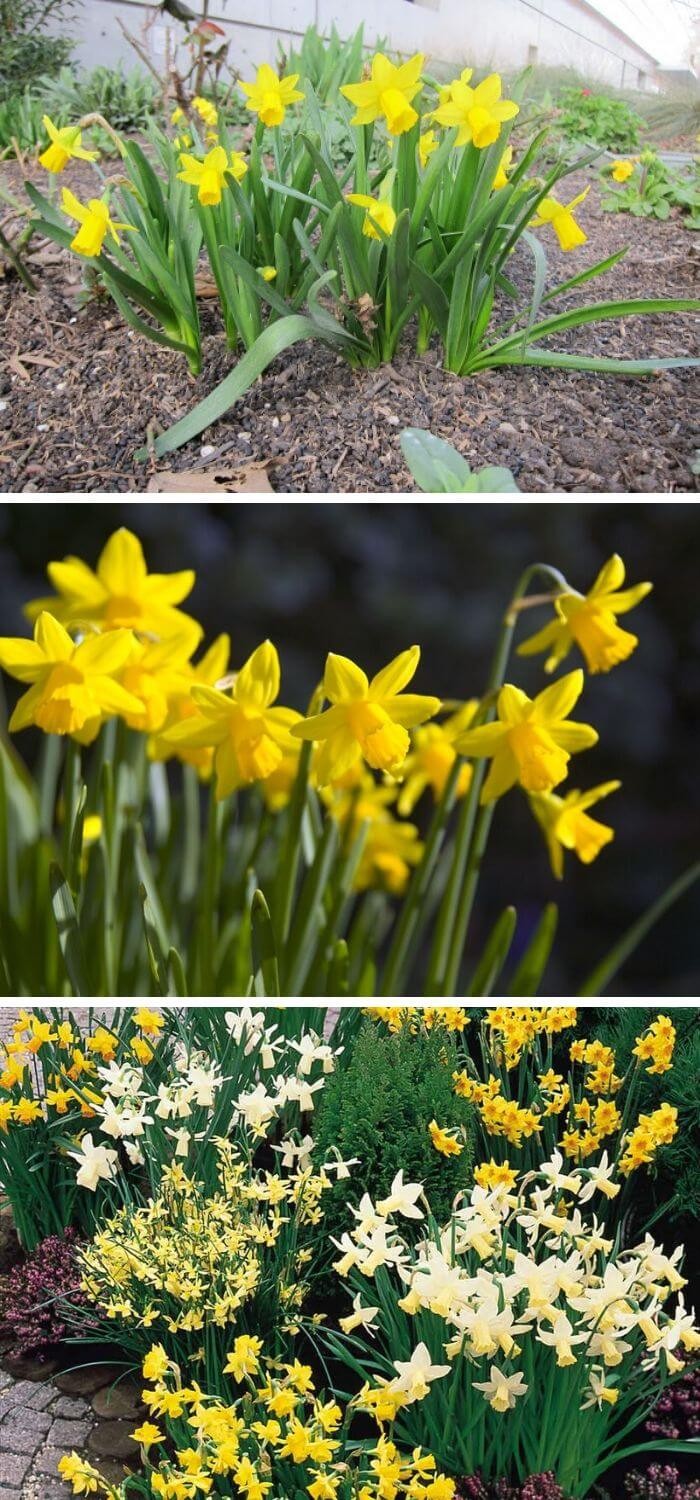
x=270, y=96
x=566, y=824
x=64, y=146
x=478, y=113
x=366, y=719
x=589, y=621
x=95, y=222
x=208, y=175
x=532, y=739
x=119, y=592
x=73, y=688
x=379, y=216
x=561, y=217
x=387, y=93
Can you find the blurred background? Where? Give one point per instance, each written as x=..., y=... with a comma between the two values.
x=368, y=579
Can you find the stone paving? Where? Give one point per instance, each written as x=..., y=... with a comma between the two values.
x=82, y=1410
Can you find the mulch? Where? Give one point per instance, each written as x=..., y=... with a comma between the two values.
x=79, y=390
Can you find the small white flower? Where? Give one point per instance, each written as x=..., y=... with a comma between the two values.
x=96, y=1163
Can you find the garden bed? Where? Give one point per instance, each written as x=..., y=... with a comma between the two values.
x=162, y=1321
x=82, y=391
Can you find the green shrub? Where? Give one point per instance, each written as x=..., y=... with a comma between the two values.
x=378, y=1105
x=125, y=99
x=26, y=50
x=597, y=120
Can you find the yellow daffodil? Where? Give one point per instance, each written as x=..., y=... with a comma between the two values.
x=561, y=217
x=589, y=621
x=249, y=737
x=446, y=91
x=501, y=178
x=268, y=273
x=158, y=674
x=478, y=113
x=532, y=739
x=64, y=146
x=444, y=1141
x=205, y=109
x=209, y=174
x=270, y=96
x=95, y=222
x=120, y=592
x=177, y=115
x=432, y=757
x=387, y=93
x=180, y=706
x=379, y=216
x=147, y=1434
x=566, y=824
x=390, y=848
x=622, y=170
x=427, y=143
x=72, y=687
x=366, y=719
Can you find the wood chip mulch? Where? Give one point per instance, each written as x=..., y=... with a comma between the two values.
x=79, y=391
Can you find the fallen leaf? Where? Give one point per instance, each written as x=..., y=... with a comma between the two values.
x=250, y=480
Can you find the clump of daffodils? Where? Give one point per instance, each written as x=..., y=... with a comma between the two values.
x=521, y=1301
x=583, y=1112
x=191, y=1260
x=271, y=1432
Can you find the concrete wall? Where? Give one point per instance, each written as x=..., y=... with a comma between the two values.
x=503, y=33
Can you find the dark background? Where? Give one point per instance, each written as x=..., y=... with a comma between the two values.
x=368, y=579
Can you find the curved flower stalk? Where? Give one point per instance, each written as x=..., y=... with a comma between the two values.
x=518, y=1337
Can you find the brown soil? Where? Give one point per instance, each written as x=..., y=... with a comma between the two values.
x=82, y=390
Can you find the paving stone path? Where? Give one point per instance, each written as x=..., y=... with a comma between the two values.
x=81, y=1410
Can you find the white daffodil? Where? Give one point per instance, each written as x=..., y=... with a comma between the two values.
x=295, y=1152
x=360, y=1317
x=340, y=1167
x=599, y=1180
x=598, y=1392
x=561, y=1337
x=352, y=1254
x=402, y=1199
x=256, y=1108
x=502, y=1391
x=415, y=1375
x=552, y=1172
x=312, y=1049
x=96, y=1163
x=121, y=1080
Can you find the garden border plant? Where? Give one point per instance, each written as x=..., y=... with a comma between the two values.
x=354, y=257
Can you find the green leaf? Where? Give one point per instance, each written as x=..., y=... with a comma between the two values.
x=599, y=978
x=68, y=928
x=434, y=464
x=495, y=953
x=272, y=342
x=264, y=952
x=528, y=975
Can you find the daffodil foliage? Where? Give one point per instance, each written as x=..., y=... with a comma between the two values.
x=392, y=210
x=191, y=832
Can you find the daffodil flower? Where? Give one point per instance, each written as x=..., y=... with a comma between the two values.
x=432, y=757
x=73, y=688
x=205, y=109
x=478, y=113
x=95, y=222
x=387, y=94
x=270, y=96
x=64, y=145
x=366, y=719
x=209, y=174
x=566, y=824
x=120, y=592
x=427, y=144
x=249, y=737
x=446, y=91
x=502, y=1391
x=561, y=217
x=158, y=674
x=180, y=706
x=621, y=170
x=532, y=739
x=589, y=621
x=379, y=216
x=501, y=178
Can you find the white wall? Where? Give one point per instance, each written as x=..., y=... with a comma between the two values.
x=503, y=33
